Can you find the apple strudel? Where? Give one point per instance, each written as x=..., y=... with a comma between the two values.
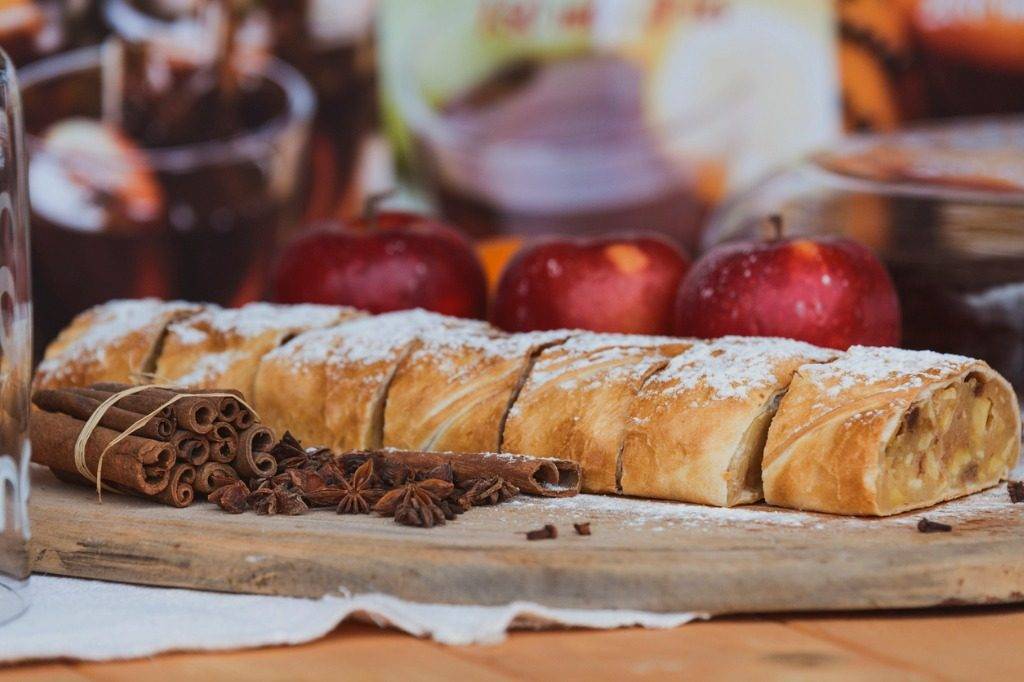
x=119, y=341
x=328, y=386
x=222, y=348
x=883, y=430
x=577, y=397
x=453, y=390
x=697, y=428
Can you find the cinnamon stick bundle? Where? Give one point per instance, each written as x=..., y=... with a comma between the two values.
x=179, y=491
x=195, y=413
x=138, y=465
x=207, y=474
x=253, y=459
x=532, y=475
x=80, y=406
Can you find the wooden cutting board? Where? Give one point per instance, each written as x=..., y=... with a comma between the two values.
x=656, y=556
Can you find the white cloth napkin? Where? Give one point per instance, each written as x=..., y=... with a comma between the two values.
x=98, y=621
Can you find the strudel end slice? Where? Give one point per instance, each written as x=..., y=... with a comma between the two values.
x=883, y=430
x=697, y=428
x=576, y=400
x=118, y=342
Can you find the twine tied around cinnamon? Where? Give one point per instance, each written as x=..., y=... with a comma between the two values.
x=94, y=420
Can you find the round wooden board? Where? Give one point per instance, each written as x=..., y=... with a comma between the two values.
x=655, y=556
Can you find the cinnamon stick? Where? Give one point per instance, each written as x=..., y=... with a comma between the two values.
x=166, y=413
x=253, y=459
x=532, y=475
x=207, y=474
x=179, y=491
x=116, y=418
x=190, y=448
x=222, y=431
x=138, y=465
x=195, y=413
x=244, y=419
x=223, y=443
x=227, y=406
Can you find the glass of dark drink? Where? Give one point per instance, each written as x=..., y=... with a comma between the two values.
x=181, y=196
x=15, y=351
x=329, y=41
x=564, y=129
x=942, y=205
x=568, y=144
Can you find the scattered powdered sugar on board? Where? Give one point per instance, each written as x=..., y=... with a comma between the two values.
x=657, y=515
x=862, y=365
x=732, y=366
x=640, y=512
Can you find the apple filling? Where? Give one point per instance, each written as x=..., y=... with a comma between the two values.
x=957, y=440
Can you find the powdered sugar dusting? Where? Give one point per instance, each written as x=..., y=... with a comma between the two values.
x=587, y=359
x=587, y=342
x=862, y=365
x=111, y=324
x=255, y=319
x=210, y=367
x=365, y=340
x=733, y=366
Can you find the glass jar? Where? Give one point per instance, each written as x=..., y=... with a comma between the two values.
x=329, y=41
x=115, y=218
x=600, y=117
x=15, y=350
x=942, y=205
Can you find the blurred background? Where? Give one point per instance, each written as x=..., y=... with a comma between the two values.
x=233, y=150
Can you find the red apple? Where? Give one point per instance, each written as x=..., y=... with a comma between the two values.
x=388, y=261
x=623, y=283
x=827, y=291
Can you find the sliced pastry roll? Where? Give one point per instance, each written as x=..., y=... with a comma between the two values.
x=328, y=386
x=697, y=428
x=118, y=341
x=883, y=430
x=452, y=392
x=576, y=400
x=222, y=348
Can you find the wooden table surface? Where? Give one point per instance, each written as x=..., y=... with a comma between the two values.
x=957, y=644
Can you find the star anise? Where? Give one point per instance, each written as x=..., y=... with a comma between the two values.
x=277, y=500
x=263, y=501
x=453, y=505
x=359, y=492
x=287, y=450
x=317, y=458
x=231, y=497
x=302, y=481
x=290, y=503
x=487, y=491
x=416, y=503
x=331, y=474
